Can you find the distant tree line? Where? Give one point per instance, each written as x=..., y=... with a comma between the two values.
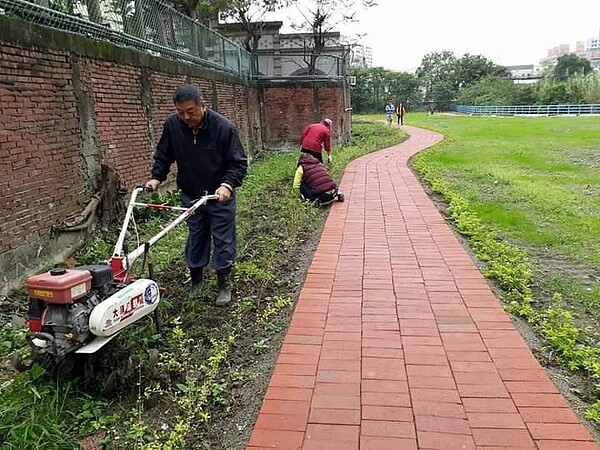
x=442, y=79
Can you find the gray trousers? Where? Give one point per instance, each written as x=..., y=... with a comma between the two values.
x=213, y=222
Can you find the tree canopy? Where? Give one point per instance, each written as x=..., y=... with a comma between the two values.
x=376, y=86
x=443, y=75
x=570, y=65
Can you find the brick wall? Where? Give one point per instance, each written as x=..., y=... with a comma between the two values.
x=288, y=109
x=122, y=118
x=71, y=109
x=41, y=171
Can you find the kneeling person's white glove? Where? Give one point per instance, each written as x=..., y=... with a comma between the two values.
x=329, y=160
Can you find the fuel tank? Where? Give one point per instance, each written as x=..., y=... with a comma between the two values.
x=59, y=286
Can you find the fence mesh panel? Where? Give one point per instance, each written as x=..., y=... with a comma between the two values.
x=148, y=25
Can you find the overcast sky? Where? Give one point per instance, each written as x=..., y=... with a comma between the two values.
x=508, y=32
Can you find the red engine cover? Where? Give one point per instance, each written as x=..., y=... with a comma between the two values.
x=59, y=286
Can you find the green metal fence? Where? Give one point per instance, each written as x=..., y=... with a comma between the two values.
x=148, y=25
x=541, y=110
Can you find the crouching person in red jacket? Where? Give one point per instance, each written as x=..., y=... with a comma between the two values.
x=313, y=183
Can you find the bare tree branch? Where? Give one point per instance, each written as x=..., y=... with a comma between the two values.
x=321, y=17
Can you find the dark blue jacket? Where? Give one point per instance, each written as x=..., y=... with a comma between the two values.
x=213, y=156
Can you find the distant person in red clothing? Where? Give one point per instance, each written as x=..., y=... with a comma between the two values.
x=316, y=137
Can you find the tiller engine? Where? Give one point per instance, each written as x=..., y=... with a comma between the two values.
x=81, y=309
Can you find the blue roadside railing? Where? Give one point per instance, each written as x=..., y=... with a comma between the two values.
x=536, y=110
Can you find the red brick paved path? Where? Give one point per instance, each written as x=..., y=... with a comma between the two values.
x=397, y=342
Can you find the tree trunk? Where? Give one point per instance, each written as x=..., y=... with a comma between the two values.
x=137, y=22
x=312, y=65
x=94, y=11
x=155, y=22
x=195, y=35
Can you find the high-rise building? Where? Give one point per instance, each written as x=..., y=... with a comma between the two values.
x=588, y=49
x=362, y=56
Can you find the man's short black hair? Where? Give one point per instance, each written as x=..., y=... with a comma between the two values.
x=187, y=92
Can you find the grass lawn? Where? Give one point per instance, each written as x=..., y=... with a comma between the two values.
x=537, y=180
